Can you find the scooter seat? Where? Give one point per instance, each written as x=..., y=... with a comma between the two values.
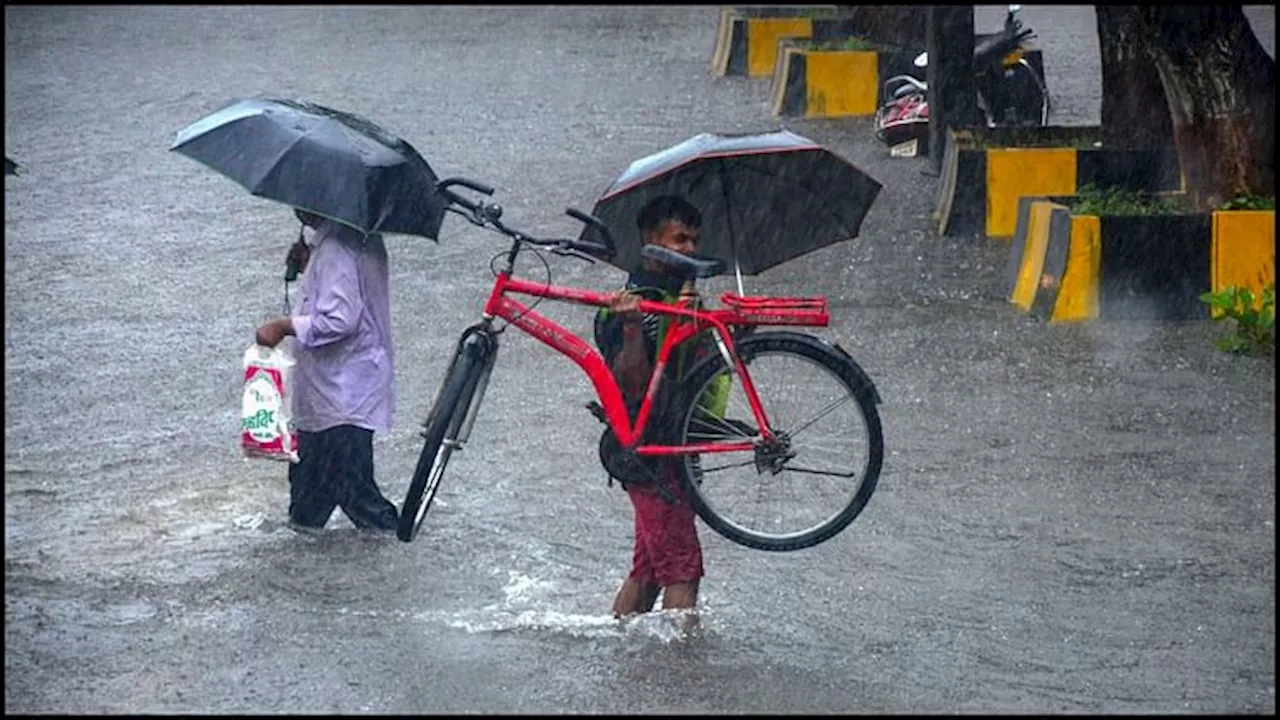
x=910, y=89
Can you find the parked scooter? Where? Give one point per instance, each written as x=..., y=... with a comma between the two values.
x=1010, y=90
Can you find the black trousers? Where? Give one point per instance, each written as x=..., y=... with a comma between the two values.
x=335, y=469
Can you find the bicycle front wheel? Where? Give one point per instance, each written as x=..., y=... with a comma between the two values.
x=818, y=479
x=440, y=435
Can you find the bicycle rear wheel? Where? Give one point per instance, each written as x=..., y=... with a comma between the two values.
x=440, y=433
x=823, y=407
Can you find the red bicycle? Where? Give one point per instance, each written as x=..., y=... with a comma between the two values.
x=782, y=453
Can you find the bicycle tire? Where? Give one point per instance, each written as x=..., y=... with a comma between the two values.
x=442, y=424
x=843, y=367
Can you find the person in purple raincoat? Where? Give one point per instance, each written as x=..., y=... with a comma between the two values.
x=343, y=382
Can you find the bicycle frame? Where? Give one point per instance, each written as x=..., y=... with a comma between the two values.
x=687, y=323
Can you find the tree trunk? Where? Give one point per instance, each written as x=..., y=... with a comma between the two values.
x=953, y=95
x=901, y=25
x=1220, y=86
x=1135, y=113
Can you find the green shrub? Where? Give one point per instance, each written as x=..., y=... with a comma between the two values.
x=844, y=44
x=823, y=12
x=1079, y=138
x=1091, y=200
x=1252, y=323
x=1249, y=202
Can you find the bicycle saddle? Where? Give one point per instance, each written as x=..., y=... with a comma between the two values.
x=686, y=266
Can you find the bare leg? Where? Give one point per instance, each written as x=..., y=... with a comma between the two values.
x=682, y=596
x=634, y=597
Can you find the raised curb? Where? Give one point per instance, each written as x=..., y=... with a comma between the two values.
x=1069, y=268
x=811, y=83
x=981, y=184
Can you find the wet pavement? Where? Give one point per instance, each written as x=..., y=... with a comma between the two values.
x=1070, y=519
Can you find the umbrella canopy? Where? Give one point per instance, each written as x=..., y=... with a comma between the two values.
x=765, y=198
x=325, y=161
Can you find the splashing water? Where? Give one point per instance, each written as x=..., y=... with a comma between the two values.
x=523, y=610
x=663, y=625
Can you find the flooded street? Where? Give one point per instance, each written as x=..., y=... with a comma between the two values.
x=1070, y=518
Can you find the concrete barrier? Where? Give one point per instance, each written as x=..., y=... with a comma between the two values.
x=810, y=80
x=1028, y=249
x=1070, y=275
x=986, y=170
x=1244, y=250
x=748, y=35
x=1069, y=268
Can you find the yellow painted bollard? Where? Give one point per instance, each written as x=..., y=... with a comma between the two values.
x=1244, y=251
x=1017, y=172
x=841, y=83
x=1077, y=296
x=1032, y=262
x=762, y=41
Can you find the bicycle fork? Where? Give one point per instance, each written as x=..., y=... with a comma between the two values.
x=478, y=341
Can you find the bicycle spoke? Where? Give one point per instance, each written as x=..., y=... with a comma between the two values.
x=728, y=467
x=829, y=473
x=433, y=481
x=718, y=423
x=805, y=482
x=716, y=435
x=821, y=414
x=811, y=447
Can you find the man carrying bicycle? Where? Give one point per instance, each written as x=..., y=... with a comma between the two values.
x=668, y=555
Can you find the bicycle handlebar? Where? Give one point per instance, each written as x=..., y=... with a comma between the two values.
x=488, y=216
x=479, y=187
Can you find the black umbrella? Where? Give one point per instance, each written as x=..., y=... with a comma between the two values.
x=325, y=161
x=10, y=167
x=765, y=198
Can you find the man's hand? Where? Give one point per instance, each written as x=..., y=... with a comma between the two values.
x=625, y=303
x=273, y=331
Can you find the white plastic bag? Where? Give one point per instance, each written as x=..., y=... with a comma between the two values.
x=266, y=428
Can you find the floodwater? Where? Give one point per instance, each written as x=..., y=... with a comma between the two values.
x=1070, y=519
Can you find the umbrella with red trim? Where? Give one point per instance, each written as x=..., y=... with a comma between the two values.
x=765, y=198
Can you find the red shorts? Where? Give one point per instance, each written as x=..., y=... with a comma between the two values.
x=667, y=548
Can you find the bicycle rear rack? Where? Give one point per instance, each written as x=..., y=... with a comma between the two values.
x=810, y=311
x=751, y=304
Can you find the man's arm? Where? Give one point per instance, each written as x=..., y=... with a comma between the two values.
x=632, y=365
x=333, y=315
